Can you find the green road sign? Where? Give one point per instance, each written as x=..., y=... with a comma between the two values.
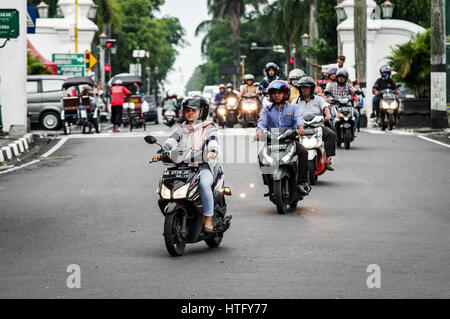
x=9, y=23
x=70, y=63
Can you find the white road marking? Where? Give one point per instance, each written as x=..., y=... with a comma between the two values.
x=433, y=141
x=19, y=167
x=56, y=147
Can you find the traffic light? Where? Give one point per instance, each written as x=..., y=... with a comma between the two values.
x=107, y=67
x=292, y=61
x=111, y=44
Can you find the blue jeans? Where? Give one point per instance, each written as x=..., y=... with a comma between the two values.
x=356, y=114
x=206, y=193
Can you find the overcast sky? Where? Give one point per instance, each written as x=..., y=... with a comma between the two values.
x=190, y=13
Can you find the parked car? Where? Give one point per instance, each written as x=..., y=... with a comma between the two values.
x=152, y=114
x=44, y=95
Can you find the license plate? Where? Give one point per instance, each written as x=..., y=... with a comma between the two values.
x=83, y=113
x=177, y=173
x=310, y=131
x=277, y=146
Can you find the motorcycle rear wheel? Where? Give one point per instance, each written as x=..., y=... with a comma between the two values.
x=279, y=189
x=175, y=244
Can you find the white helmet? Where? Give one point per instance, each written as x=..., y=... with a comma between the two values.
x=118, y=82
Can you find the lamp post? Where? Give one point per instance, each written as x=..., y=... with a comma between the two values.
x=42, y=9
x=243, y=57
x=102, y=40
x=92, y=11
x=340, y=12
x=387, y=8
x=305, y=43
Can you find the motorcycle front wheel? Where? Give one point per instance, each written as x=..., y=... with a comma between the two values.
x=279, y=191
x=312, y=177
x=214, y=241
x=175, y=243
x=347, y=138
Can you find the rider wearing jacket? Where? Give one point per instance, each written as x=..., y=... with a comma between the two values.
x=309, y=103
x=272, y=71
x=383, y=83
x=288, y=116
x=342, y=88
x=294, y=76
x=199, y=134
x=219, y=96
x=248, y=86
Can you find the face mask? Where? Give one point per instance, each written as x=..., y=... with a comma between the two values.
x=385, y=77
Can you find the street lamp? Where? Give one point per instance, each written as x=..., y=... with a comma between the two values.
x=243, y=57
x=305, y=39
x=340, y=12
x=103, y=37
x=59, y=12
x=388, y=9
x=305, y=43
x=92, y=11
x=42, y=9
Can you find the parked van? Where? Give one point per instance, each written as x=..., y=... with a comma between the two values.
x=44, y=94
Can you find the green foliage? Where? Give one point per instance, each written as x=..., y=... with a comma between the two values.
x=411, y=61
x=416, y=11
x=140, y=29
x=108, y=13
x=325, y=49
x=35, y=66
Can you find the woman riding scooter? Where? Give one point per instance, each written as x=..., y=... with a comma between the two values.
x=198, y=134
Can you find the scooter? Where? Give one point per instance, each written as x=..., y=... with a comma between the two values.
x=344, y=124
x=312, y=141
x=170, y=117
x=249, y=109
x=278, y=164
x=180, y=202
x=389, y=106
x=220, y=114
x=231, y=103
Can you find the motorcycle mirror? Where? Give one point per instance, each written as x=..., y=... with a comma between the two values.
x=399, y=85
x=150, y=139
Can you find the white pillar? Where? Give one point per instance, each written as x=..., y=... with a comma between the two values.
x=13, y=72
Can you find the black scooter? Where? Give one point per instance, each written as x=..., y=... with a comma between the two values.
x=278, y=164
x=344, y=126
x=181, y=204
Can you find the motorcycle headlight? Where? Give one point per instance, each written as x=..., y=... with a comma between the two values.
x=181, y=192
x=309, y=142
x=165, y=192
x=249, y=106
x=221, y=111
x=232, y=101
x=286, y=158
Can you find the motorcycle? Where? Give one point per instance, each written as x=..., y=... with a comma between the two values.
x=278, y=163
x=180, y=202
x=389, y=106
x=220, y=114
x=344, y=124
x=249, y=108
x=170, y=117
x=231, y=103
x=312, y=141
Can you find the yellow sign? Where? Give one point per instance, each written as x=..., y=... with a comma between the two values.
x=90, y=60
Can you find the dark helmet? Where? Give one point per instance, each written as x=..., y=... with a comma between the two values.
x=249, y=77
x=279, y=85
x=342, y=72
x=273, y=66
x=307, y=82
x=197, y=102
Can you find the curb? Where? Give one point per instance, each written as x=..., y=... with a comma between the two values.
x=16, y=148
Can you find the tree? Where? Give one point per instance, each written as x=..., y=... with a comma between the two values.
x=140, y=29
x=35, y=66
x=411, y=61
x=416, y=11
x=288, y=20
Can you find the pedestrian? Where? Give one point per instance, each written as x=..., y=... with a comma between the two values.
x=118, y=93
x=339, y=65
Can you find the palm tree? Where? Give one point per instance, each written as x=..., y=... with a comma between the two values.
x=289, y=19
x=108, y=16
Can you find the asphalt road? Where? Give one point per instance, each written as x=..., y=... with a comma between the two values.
x=93, y=203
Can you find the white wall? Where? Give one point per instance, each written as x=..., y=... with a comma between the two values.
x=382, y=35
x=13, y=70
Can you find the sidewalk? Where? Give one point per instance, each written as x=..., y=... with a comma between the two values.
x=13, y=146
